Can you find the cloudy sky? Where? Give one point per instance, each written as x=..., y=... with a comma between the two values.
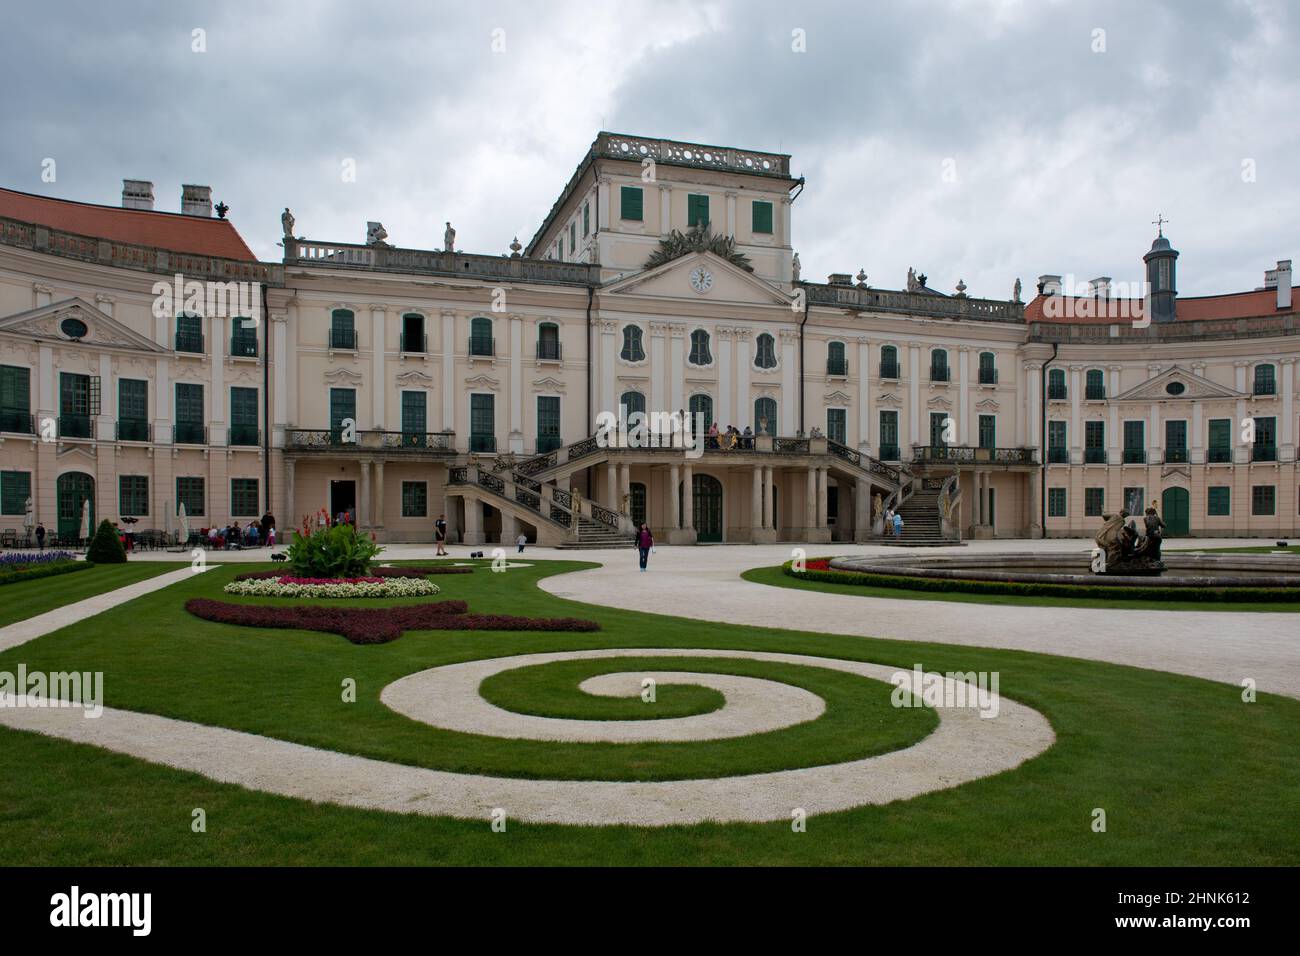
x=973, y=139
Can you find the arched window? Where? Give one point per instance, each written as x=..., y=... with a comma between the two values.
x=988, y=369
x=480, y=336
x=888, y=361
x=548, y=341
x=633, y=351
x=1056, y=389
x=765, y=356
x=1096, y=385
x=700, y=354
x=1265, y=380
x=836, y=363
x=765, y=422
x=938, y=365
x=701, y=411
x=633, y=402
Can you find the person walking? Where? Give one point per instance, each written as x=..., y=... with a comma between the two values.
x=645, y=543
x=898, y=525
x=440, y=536
x=521, y=541
x=40, y=536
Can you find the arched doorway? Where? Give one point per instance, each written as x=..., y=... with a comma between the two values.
x=706, y=500
x=1175, y=506
x=72, y=488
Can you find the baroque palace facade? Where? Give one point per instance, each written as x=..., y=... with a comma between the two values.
x=148, y=360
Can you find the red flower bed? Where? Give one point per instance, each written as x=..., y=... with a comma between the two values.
x=818, y=564
x=376, y=625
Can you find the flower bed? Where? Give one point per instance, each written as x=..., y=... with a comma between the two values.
x=287, y=585
x=374, y=573
x=12, y=559
x=376, y=625
x=11, y=572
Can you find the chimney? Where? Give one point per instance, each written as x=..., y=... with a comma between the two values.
x=196, y=200
x=1283, y=275
x=1049, y=285
x=1100, y=287
x=137, y=194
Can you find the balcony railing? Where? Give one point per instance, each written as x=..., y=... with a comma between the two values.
x=244, y=436
x=1265, y=388
x=1057, y=393
x=483, y=345
x=189, y=342
x=17, y=420
x=889, y=453
x=243, y=345
x=343, y=339
x=1094, y=456
x=1219, y=456
x=547, y=443
x=129, y=429
x=1176, y=456
x=988, y=376
x=1095, y=393
x=74, y=426
x=190, y=433
x=415, y=342
x=940, y=373
x=837, y=366
x=1058, y=456
x=973, y=454
x=331, y=439
x=548, y=351
x=1135, y=456
x=483, y=443
x=889, y=370
x=1263, y=452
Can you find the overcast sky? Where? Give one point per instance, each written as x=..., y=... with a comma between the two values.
x=1061, y=142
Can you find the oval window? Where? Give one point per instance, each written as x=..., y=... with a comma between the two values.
x=1175, y=388
x=73, y=328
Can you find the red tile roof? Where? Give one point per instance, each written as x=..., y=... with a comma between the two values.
x=1236, y=305
x=164, y=230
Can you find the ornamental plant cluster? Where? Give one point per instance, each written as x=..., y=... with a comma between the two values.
x=25, y=559
x=376, y=625
x=366, y=587
x=332, y=551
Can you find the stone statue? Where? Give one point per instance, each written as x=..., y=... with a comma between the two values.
x=286, y=223
x=29, y=514
x=449, y=239
x=796, y=267
x=1155, y=534
x=911, y=279
x=375, y=234
x=1110, y=537
x=1015, y=295
x=877, y=506
x=627, y=504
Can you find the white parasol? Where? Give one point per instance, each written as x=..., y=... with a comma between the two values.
x=185, y=524
x=85, y=519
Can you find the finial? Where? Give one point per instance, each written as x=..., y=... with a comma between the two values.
x=514, y=248
x=1159, y=223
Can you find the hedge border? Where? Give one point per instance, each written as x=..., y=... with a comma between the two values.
x=44, y=571
x=1024, y=589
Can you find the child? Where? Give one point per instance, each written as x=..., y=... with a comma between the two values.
x=521, y=541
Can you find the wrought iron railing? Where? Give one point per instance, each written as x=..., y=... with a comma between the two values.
x=973, y=454
x=1135, y=456
x=17, y=420
x=1058, y=455
x=1057, y=393
x=243, y=435
x=343, y=339
x=414, y=342
x=244, y=344
x=1094, y=456
x=1219, y=455
x=324, y=439
x=485, y=444
x=190, y=433
x=940, y=373
x=549, y=351
x=129, y=429
x=837, y=366
x=491, y=482
x=484, y=345
x=889, y=453
x=1263, y=453
x=889, y=370
x=74, y=426
x=988, y=376
x=790, y=446
x=1176, y=456
x=605, y=516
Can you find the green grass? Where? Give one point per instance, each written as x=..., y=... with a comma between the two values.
x=1188, y=774
x=1250, y=549
x=24, y=599
x=775, y=577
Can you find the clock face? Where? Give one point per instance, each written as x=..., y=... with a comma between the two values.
x=701, y=280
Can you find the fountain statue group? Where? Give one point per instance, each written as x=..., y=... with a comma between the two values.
x=1128, y=551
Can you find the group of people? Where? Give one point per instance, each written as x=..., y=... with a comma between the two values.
x=728, y=439
x=256, y=533
x=893, y=523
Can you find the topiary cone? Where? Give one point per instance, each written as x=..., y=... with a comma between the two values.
x=106, y=546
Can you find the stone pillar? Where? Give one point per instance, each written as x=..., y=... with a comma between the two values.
x=787, y=408
x=1034, y=411
x=725, y=387
x=363, y=498
x=731, y=213
x=516, y=436
x=449, y=375
x=217, y=400
x=861, y=511
x=280, y=360
x=658, y=368
x=379, y=494
x=674, y=479
x=756, y=504
x=1155, y=440
x=677, y=365
x=963, y=397
x=744, y=408
x=913, y=395
x=606, y=400
x=768, y=517
x=378, y=384
x=473, y=533
x=611, y=490
x=289, y=521
x=624, y=488
x=665, y=209
x=1076, y=420
x=685, y=533
x=810, y=503
x=823, y=497
x=509, y=529
x=864, y=394
x=1287, y=438
x=688, y=498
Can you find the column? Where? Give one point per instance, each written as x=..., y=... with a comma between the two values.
x=963, y=417
x=677, y=365
x=217, y=401
x=861, y=510
x=378, y=383
x=1196, y=440
x=665, y=209
x=823, y=476
x=768, y=496
x=744, y=408
x=624, y=488
x=516, y=437
x=611, y=489
x=688, y=498
x=914, y=395
x=280, y=360
x=731, y=214
x=756, y=500
x=603, y=200
x=723, y=411
x=289, y=519
x=787, y=411
x=810, y=501
x=473, y=532
x=509, y=529
x=1286, y=437
x=1034, y=412
x=379, y=494
x=363, y=499
x=607, y=400
x=1076, y=420
x=658, y=368
x=449, y=376
x=864, y=394
x=1113, y=455
x=1156, y=439
x=674, y=481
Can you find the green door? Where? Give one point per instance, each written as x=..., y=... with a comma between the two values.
x=72, y=489
x=706, y=495
x=1177, y=510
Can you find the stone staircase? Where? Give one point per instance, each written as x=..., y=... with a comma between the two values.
x=921, y=527
x=594, y=534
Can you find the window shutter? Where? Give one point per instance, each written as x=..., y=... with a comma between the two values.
x=630, y=203
x=762, y=217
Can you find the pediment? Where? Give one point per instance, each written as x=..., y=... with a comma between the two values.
x=1155, y=389
x=413, y=378
x=838, y=398
x=890, y=399
x=102, y=330
x=343, y=376
x=483, y=381
x=672, y=280
x=549, y=384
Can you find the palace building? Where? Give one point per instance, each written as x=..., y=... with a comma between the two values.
x=149, y=360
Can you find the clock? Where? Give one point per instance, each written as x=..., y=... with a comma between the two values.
x=701, y=280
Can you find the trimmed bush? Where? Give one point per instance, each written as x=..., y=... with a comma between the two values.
x=32, y=572
x=821, y=571
x=336, y=551
x=376, y=625
x=106, y=546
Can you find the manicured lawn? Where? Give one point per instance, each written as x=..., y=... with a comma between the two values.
x=24, y=599
x=1187, y=773
x=1251, y=549
x=777, y=578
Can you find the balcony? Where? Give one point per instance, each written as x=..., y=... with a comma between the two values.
x=975, y=455
x=189, y=342
x=1265, y=388
x=1176, y=456
x=889, y=370
x=1219, y=456
x=129, y=429
x=343, y=339
x=416, y=343
x=1057, y=393
x=1135, y=456
x=74, y=426
x=246, y=436
x=988, y=376
x=1263, y=452
x=243, y=345
x=190, y=433
x=484, y=345
x=549, y=351
x=1058, y=456
x=1095, y=393
x=940, y=373
x=17, y=420
x=331, y=439
x=837, y=366
x=483, y=443
x=1094, y=456
x=889, y=453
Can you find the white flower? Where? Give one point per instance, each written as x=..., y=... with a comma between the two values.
x=389, y=587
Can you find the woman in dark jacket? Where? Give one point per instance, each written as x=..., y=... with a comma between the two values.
x=644, y=542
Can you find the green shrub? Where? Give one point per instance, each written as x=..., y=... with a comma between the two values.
x=106, y=546
x=333, y=552
x=14, y=575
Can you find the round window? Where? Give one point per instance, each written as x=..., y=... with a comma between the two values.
x=1175, y=388
x=73, y=328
